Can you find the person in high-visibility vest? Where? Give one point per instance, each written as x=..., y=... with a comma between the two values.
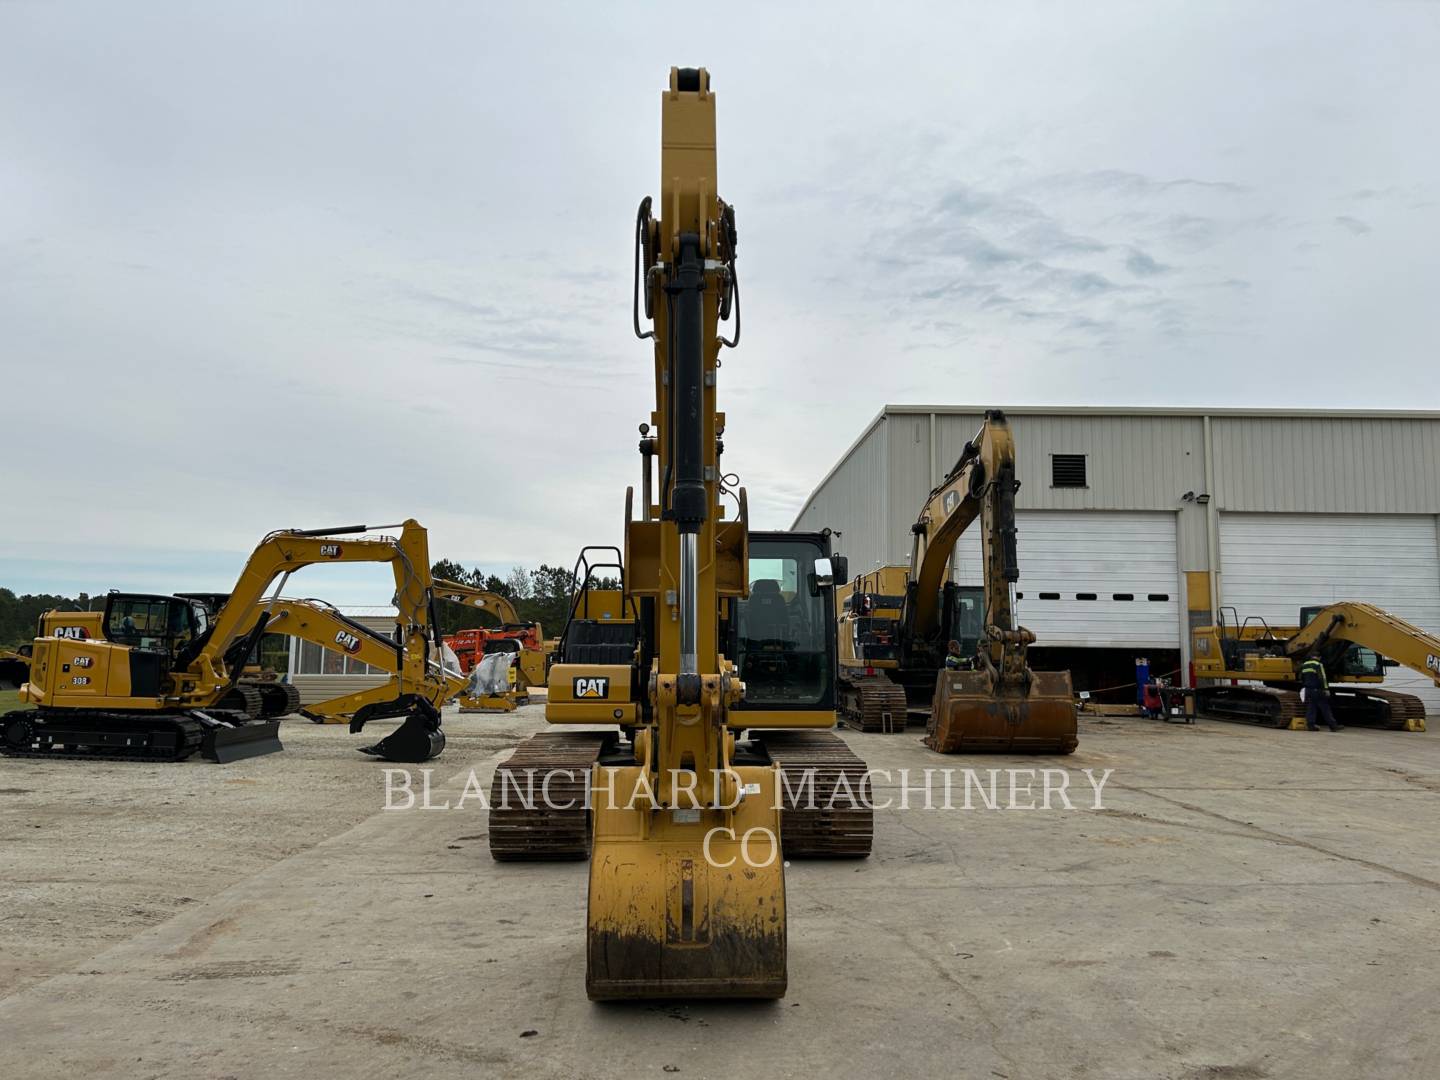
x=1316, y=689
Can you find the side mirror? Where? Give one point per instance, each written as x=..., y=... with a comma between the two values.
x=824, y=574
x=841, y=567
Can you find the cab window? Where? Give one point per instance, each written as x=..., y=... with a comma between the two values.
x=141, y=623
x=782, y=630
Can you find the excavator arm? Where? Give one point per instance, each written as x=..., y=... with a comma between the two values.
x=981, y=484
x=281, y=554
x=673, y=909
x=469, y=596
x=1370, y=627
x=320, y=623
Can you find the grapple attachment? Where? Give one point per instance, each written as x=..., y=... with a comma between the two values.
x=970, y=715
x=685, y=909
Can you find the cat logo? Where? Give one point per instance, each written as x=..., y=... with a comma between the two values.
x=76, y=633
x=951, y=500
x=83, y=661
x=330, y=551
x=347, y=641
x=590, y=686
x=1432, y=663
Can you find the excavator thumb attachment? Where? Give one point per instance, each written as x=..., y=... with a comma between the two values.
x=224, y=742
x=687, y=908
x=969, y=716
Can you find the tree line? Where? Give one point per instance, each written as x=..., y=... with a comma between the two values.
x=542, y=595
x=20, y=615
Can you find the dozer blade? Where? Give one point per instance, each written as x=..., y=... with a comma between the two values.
x=257, y=738
x=417, y=739
x=674, y=915
x=968, y=717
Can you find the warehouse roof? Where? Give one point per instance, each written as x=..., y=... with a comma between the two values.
x=1110, y=410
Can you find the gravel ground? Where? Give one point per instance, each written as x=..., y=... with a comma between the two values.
x=92, y=852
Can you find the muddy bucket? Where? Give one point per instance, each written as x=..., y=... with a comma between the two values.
x=688, y=908
x=969, y=717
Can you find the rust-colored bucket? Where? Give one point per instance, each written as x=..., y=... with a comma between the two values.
x=968, y=717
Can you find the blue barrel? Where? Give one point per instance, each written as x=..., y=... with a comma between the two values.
x=1142, y=676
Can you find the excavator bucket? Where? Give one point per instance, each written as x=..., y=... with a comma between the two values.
x=418, y=739
x=969, y=717
x=687, y=909
x=227, y=743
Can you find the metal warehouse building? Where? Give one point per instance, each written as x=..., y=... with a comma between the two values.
x=1136, y=523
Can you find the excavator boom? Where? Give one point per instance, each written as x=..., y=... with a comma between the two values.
x=1002, y=705
x=674, y=908
x=1369, y=626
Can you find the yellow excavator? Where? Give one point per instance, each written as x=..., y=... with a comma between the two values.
x=715, y=632
x=897, y=622
x=412, y=673
x=1356, y=642
x=163, y=678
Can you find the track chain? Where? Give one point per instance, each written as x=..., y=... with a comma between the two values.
x=522, y=826
x=873, y=703
x=825, y=809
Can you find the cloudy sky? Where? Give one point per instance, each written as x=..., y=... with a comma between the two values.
x=267, y=265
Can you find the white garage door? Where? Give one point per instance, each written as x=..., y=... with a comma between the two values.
x=1092, y=580
x=1272, y=565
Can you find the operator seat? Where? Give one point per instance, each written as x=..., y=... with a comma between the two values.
x=767, y=616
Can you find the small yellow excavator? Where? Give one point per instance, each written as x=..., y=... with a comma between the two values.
x=896, y=623
x=714, y=632
x=163, y=679
x=1356, y=642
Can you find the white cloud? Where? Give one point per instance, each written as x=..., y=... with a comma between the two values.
x=273, y=265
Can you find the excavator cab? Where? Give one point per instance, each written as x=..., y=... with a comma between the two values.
x=782, y=637
x=1345, y=660
x=964, y=607
x=165, y=624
